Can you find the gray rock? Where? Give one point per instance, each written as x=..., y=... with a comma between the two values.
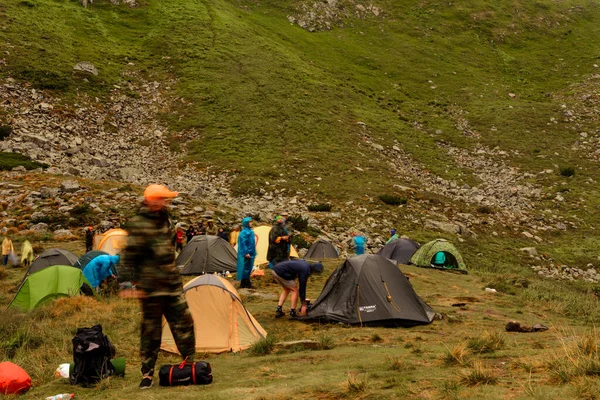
x=62, y=233
x=40, y=227
x=37, y=216
x=443, y=226
x=87, y=67
x=532, y=251
x=69, y=186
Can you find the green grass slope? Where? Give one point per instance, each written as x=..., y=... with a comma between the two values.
x=266, y=97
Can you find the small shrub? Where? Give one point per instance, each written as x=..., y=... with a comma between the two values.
x=487, y=343
x=5, y=131
x=392, y=200
x=478, y=375
x=8, y=161
x=356, y=384
x=299, y=242
x=484, y=210
x=298, y=223
x=263, y=346
x=458, y=355
x=567, y=171
x=375, y=338
x=322, y=207
x=313, y=231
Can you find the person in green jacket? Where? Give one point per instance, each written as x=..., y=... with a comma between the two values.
x=149, y=264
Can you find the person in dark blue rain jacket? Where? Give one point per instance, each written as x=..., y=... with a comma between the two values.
x=100, y=268
x=246, y=253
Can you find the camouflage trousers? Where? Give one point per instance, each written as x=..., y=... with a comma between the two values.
x=177, y=313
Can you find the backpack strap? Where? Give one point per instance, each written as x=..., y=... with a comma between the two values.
x=194, y=373
x=171, y=375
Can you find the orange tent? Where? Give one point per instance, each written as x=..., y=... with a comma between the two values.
x=112, y=241
x=221, y=322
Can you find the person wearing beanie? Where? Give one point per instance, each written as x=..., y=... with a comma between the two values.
x=285, y=273
x=149, y=264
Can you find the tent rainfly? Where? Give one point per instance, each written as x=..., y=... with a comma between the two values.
x=48, y=284
x=400, y=250
x=221, y=322
x=206, y=254
x=321, y=250
x=112, y=242
x=424, y=257
x=52, y=257
x=371, y=290
x=87, y=257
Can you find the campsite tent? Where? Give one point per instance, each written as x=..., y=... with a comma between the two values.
x=87, y=257
x=112, y=241
x=206, y=254
x=52, y=257
x=320, y=250
x=400, y=250
x=48, y=284
x=261, y=234
x=221, y=323
x=370, y=289
x=424, y=256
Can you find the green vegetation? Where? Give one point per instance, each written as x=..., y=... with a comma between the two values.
x=321, y=207
x=567, y=171
x=392, y=200
x=9, y=161
x=5, y=131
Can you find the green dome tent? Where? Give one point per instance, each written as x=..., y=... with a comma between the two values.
x=48, y=284
x=425, y=255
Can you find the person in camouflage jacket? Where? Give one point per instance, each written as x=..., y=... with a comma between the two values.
x=149, y=263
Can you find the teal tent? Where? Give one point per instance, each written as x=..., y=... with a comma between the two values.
x=48, y=284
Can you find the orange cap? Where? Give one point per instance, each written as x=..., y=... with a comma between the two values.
x=155, y=191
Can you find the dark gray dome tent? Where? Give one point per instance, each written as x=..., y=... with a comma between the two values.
x=87, y=257
x=371, y=290
x=400, y=250
x=321, y=250
x=52, y=257
x=205, y=254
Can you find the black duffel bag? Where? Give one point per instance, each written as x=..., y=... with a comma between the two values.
x=186, y=373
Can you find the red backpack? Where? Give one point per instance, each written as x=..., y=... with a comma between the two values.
x=13, y=379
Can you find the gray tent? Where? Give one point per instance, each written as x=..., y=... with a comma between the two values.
x=400, y=250
x=52, y=257
x=87, y=257
x=370, y=289
x=321, y=250
x=205, y=254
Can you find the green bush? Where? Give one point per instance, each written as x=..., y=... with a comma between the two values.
x=9, y=161
x=5, y=131
x=299, y=242
x=299, y=223
x=567, y=171
x=392, y=200
x=263, y=346
x=322, y=207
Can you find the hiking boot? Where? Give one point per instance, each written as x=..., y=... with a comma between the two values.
x=293, y=314
x=279, y=314
x=146, y=383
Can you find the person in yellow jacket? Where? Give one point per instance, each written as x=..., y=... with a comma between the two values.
x=7, y=248
x=26, y=254
x=233, y=236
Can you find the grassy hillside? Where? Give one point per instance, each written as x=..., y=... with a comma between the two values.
x=266, y=97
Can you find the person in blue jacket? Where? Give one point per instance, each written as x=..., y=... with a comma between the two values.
x=246, y=252
x=359, y=243
x=100, y=268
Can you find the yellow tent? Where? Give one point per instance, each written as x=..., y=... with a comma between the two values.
x=261, y=234
x=112, y=241
x=221, y=323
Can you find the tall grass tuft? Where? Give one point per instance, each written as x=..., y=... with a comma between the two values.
x=392, y=200
x=457, y=355
x=263, y=346
x=487, y=343
x=478, y=375
x=576, y=359
x=356, y=384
